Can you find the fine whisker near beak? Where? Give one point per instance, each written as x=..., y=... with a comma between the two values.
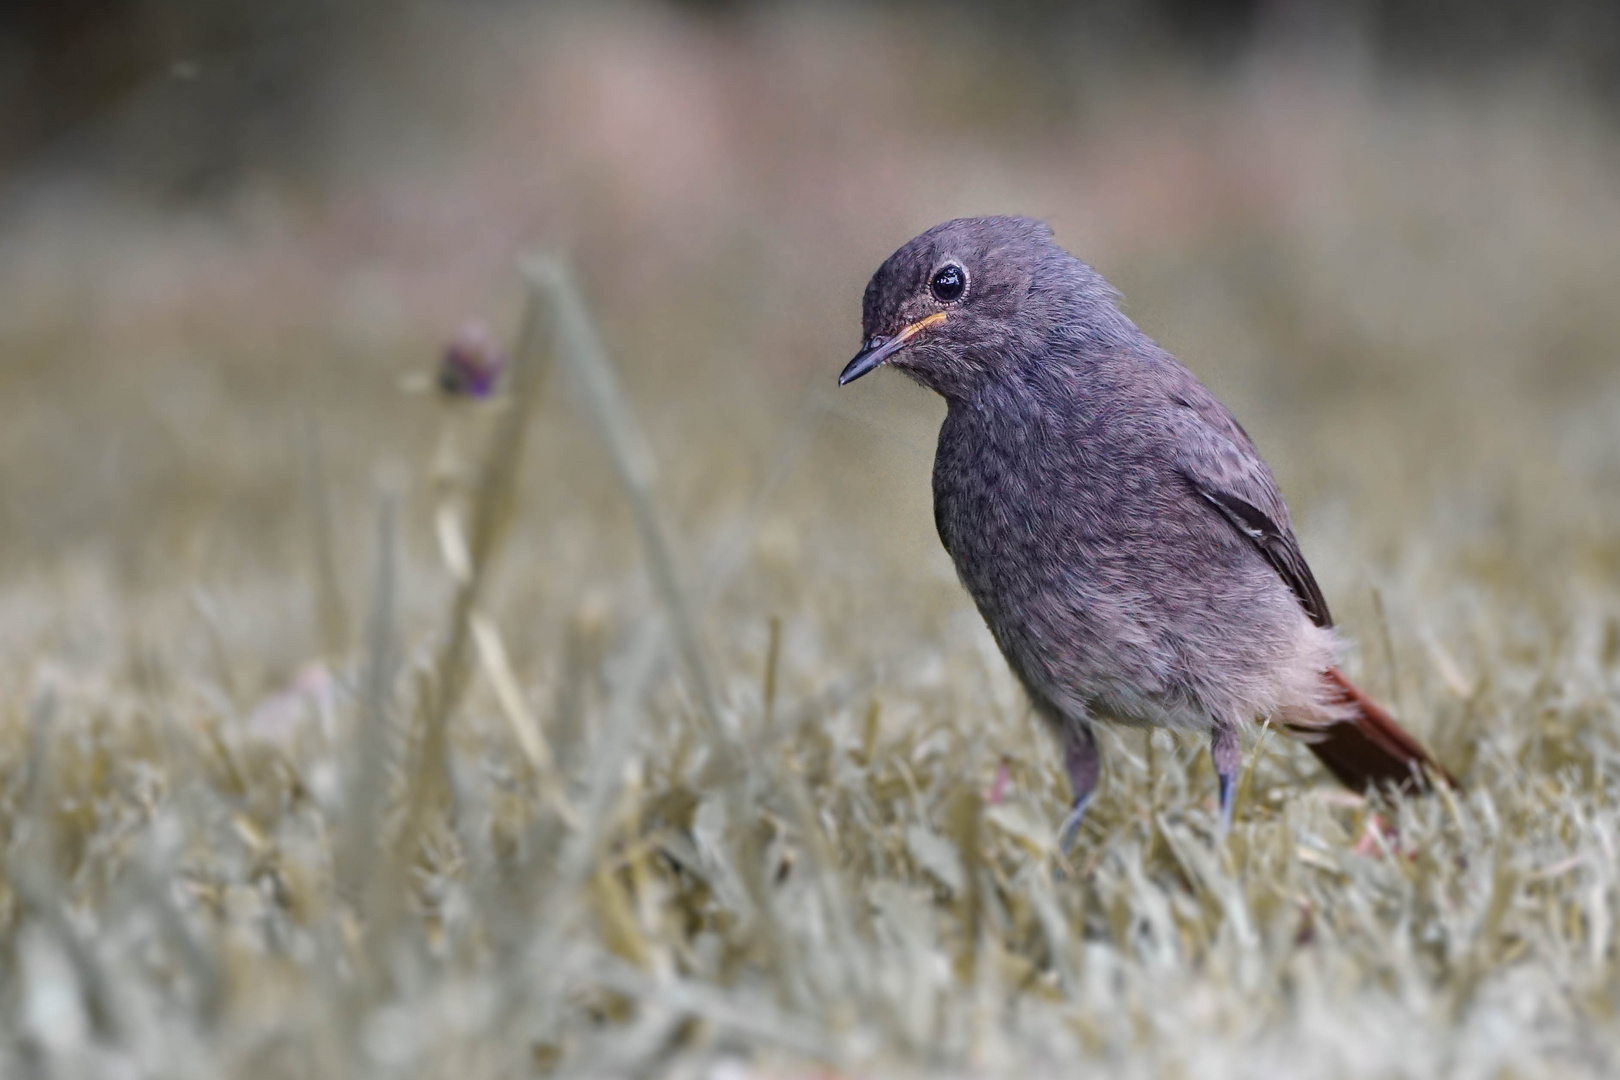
x=877, y=349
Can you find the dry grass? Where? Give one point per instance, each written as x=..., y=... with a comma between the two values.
x=708, y=768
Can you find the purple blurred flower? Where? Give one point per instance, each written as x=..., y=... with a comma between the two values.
x=472, y=363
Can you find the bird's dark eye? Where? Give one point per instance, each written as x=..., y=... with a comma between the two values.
x=950, y=281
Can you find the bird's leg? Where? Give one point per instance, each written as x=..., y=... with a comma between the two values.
x=1084, y=765
x=1227, y=751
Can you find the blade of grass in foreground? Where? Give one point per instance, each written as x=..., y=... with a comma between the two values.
x=367, y=793
x=491, y=514
x=582, y=355
x=582, y=352
x=331, y=614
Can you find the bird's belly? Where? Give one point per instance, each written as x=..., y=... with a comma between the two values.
x=1123, y=621
x=1084, y=642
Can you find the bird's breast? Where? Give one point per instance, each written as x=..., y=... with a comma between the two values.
x=994, y=503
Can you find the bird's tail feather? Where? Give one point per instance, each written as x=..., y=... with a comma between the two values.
x=1363, y=745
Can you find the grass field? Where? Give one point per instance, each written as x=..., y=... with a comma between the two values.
x=709, y=768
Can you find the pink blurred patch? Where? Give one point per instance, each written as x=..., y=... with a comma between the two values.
x=998, y=788
x=281, y=716
x=1378, y=837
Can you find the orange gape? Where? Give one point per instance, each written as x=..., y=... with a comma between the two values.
x=1370, y=747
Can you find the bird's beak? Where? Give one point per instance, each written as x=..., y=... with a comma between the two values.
x=878, y=349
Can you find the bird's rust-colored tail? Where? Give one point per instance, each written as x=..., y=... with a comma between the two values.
x=1365, y=746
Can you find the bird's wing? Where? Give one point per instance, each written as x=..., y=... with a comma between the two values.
x=1215, y=455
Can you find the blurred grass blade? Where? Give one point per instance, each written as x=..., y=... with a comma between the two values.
x=536, y=971
x=331, y=613
x=493, y=499
x=373, y=742
x=581, y=351
x=498, y=667
x=452, y=544
x=773, y=656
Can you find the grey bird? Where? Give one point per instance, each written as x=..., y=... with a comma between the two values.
x=1119, y=532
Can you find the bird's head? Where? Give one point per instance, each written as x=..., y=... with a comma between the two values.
x=971, y=300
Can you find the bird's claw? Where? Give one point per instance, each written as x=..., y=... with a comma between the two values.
x=1069, y=831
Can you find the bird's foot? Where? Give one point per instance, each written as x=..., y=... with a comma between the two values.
x=1228, y=803
x=1070, y=829
x=1227, y=753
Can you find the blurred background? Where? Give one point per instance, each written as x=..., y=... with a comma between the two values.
x=1387, y=234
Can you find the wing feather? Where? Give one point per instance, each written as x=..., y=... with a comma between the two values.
x=1216, y=456
x=1277, y=545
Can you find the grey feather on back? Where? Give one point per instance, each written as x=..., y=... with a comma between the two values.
x=1217, y=457
x=1280, y=549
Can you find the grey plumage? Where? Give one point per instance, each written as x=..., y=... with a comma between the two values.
x=1118, y=530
